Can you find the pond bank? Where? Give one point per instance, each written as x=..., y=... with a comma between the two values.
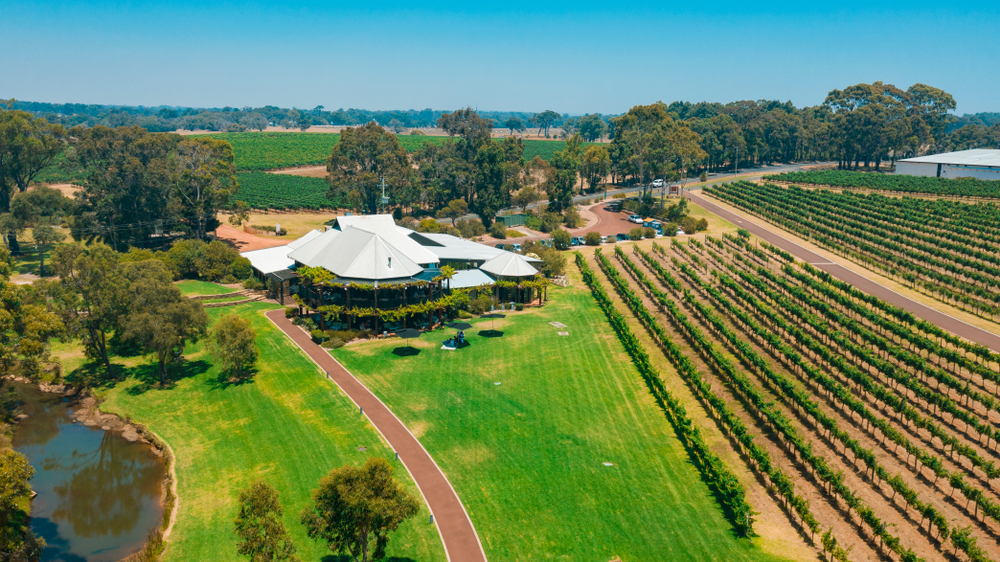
x=102, y=483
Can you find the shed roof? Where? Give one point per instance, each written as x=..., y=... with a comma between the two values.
x=274, y=259
x=509, y=265
x=469, y=278
x=453, y=248
x=981, y=157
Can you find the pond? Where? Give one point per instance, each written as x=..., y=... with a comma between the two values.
x=99, y=495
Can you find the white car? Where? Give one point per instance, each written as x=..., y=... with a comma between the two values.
x=635, y=218
x=657, y=183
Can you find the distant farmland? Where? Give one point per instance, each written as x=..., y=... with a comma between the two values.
x=272, y=151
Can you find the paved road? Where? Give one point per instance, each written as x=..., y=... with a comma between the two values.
x=461, y=543
x=765, y=232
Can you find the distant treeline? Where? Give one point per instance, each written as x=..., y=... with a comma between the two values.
x=233, y=119
x=861, y=125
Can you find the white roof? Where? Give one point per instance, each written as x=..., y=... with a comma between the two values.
x=453, y=248
x=386, y=228
x=356, y=254
x=509, y=265
x=976, y=157
x=469, y=278
x=274, y=259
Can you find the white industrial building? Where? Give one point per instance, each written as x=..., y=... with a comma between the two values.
x=978, y=163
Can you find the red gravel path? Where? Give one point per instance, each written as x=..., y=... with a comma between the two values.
x=461, y=543
x=950, y=323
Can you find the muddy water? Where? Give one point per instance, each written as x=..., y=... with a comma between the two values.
x=98, y=494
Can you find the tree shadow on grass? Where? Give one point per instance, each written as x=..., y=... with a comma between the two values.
x=346, y=558
x=225, y=380
x=147, y=376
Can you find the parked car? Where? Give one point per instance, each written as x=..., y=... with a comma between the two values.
x=576, y=241
x=635, y=218
x=546, y=242
x=517, y=247
x=604, y=239
x=501, y=246
x=658, y=183
x=623, y=237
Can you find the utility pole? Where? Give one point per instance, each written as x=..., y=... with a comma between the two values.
x=385, y=200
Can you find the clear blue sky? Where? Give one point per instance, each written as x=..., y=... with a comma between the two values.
x=522, y=56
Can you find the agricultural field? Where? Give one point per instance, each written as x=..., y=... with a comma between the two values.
x=948, y=249
x=961, y=187
x=523, y=425
x=877, y=432
x=261, y=190
x=272, y=151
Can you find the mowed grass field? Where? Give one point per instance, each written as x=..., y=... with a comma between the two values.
x=190, y=287
x=288, y=426
x=272, y=151
x=526, y=455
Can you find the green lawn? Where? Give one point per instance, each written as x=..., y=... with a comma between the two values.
x=194, y=287
x=289, y=426
x=526, y=456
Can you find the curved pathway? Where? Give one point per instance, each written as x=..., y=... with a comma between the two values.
x=461, y=543
x=764, y=232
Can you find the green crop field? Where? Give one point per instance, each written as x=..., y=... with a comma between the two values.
x=271, y=151
x=288, y=426
x=527, y=455
x=261, y=190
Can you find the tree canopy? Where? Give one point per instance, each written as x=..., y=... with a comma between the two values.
x=355, y=509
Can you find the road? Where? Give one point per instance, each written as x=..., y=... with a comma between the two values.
x=461, y=542
x=767, y=232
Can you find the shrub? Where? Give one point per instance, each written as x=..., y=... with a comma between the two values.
x=572, y=217
x=408, y=222
x=702, y=225
x=619, y=196
x=592, y=239
x=366, y=334
x=551, y=221
x=611, y=239
x=703, y=177
x=346, y=335
x=464, y=314
x=553, y=262
x=451, y=230
x=635, y=234
x=240, y=268
x=317, y=336
x=429, y=225
x=228, y=280
x=416, y=132
x=561, y=239
x=481, y=304
x=333, y=343
x=519, y=306
x=689, y=225
x=649, y=232
x=291, y=312
x=533, y=222
x=498, y=230
x=670, y=229
x=253, y=284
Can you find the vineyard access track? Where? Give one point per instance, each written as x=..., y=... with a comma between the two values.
x=764, y=231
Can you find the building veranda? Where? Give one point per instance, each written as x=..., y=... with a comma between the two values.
x=367, y=273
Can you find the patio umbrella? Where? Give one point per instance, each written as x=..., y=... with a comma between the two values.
x=492, y=316
x=460, y=325
x=407, y=334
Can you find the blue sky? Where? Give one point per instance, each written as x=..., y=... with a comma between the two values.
x=523, y=56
